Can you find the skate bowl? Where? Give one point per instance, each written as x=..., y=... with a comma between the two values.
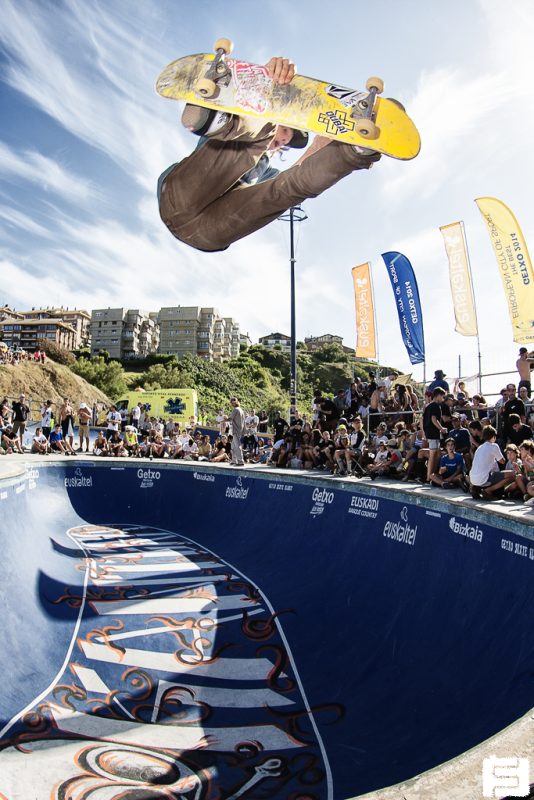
x=192, y=631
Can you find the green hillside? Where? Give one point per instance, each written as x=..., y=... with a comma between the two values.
x=258, y=376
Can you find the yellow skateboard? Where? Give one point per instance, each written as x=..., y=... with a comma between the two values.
x=239, y=87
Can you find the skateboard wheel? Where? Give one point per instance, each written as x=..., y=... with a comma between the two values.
x=367, y=128
x=205, y=87
x=224, y=44
x=375, y=83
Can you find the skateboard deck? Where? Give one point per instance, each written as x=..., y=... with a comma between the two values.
x=305, y=103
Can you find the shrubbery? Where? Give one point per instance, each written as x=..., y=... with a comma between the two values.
x=258, y=376
x=108, y=377
x=58, y=354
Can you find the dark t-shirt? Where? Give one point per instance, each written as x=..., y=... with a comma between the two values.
x=519, y=436
x=280, y=426
x=513, y=406
x=330, y=410
x=433, y=409
x=20, y=412
x=462, y=440
x=325, y=445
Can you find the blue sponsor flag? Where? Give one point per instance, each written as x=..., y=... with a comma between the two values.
x=406, y=293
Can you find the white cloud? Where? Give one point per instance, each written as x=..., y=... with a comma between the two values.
x=97, y=82
x=45, y=173
x=22, y=221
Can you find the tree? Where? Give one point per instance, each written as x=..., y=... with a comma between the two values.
x=58, y=354
x=108, y=377
x=102, y=353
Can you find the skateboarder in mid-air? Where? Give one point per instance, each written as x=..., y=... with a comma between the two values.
x=226, y=189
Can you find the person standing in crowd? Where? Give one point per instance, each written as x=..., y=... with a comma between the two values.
x=21, y=414
x=6, y=412
x=280, y=426
x=47, y=418
x=114, y=421
x=263, y=422
x=524, y=365
x=250, y=440
x=66, y=420
x=526, y=400
x=512, y=406
x=84, y=417
x=433, y=428
x=136, y=416
x=439, y=382
x=237, y=421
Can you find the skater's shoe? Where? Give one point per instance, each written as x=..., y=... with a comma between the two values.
x=366, y=156
x=362, y=151
x=203, y=121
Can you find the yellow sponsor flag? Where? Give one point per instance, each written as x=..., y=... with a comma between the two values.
x=404, y=380
x=514, y=265
x=365, y=315
x=460, y=279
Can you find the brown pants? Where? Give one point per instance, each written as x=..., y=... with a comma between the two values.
x=201, y=205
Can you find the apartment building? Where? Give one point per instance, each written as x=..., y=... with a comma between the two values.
x=198, y=331
x=273, y=339
x=124, y=333
x=25, y=334
x=6, y=312
x=77, y=319
x=315, y=342
x=232, y=338
x=178, y=330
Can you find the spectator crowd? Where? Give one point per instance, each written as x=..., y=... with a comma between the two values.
x=10, y=357
x=379, y=428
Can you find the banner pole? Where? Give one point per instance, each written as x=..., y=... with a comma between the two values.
x=374, y=314
x=470, y=271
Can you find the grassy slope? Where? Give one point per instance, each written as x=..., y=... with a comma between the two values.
x=50, y=381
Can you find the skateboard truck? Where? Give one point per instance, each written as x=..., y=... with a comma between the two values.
x=218, y=72
x=362, y=112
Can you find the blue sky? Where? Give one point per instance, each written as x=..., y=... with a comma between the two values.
x=83, y=138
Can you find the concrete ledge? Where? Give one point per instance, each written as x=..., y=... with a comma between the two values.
x=461, y=778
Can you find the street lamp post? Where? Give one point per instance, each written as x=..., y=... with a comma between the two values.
x=296, y=214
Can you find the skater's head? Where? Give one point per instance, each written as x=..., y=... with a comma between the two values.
x=288, y=137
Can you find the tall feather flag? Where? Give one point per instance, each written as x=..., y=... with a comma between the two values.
x=515, y=267
x=406, y=294
x=460, y=279
x=365, y=315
